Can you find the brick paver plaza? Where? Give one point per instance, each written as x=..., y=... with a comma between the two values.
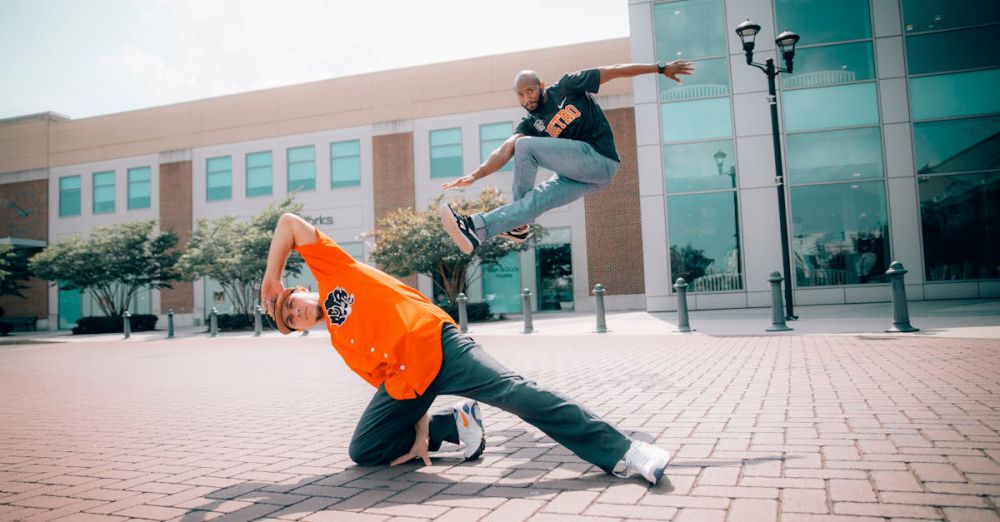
x=789, y=428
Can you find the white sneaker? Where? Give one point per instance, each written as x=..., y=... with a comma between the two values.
x=646, y=460
x=470, y=427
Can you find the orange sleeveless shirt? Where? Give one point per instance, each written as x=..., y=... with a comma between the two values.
x=386, y=331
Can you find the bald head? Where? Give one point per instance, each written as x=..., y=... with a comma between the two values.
x=526, y=78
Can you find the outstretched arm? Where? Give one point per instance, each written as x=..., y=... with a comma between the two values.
x=628, y=70
x=495, y=162
x=290, y=232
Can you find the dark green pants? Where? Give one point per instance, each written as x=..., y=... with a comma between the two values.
x=386, y=432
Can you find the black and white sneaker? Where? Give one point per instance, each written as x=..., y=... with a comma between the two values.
x=460, y=228
x=518, y=234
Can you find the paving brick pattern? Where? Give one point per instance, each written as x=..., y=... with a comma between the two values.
x=828, y=428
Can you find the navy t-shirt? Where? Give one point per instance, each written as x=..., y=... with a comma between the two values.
x=569, y=111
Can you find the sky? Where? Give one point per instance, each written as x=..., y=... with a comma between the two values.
x=84, y=58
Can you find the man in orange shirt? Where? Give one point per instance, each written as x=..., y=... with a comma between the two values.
x=410, y=350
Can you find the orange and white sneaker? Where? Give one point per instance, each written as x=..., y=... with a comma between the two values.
x=470, y=427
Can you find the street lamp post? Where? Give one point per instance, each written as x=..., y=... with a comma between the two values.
x=786, y=41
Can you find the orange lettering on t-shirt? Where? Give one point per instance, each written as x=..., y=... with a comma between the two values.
x=561, y=120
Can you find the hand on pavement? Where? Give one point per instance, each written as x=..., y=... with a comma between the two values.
x=420, y=444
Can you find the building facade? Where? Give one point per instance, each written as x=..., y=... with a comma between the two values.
x=889, y=142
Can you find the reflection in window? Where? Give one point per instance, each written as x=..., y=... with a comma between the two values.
x=710, y=80
x=554, y=272
x=952, y=50
x=258, y=165
x=696, y=120
x=302, y=168
x=950, y=95
x=821, y=21
x=689, y=29
x=345, y=164
x=218, y=178
x=139, y=187
x=834, y=155
x=827, y=107
x=699, y=166
x=491, y=136
x=831, y=64
x=502, y=285
x=840, y=234
x=104, y=192
x=934, y=15
x=957, y=145
x=704, y=243
x=446, y=153
x=960, y=218
x=69, y=196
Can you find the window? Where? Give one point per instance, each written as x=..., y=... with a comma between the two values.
x=951, y=95
x=554, y=271
x=104, y=192
x=219, y=178
x=259, y=174
x=827, y=107
x=355, y=249
x=963, y=145
x=139, y=187
x=960, y=220
x=699, y=166
x=839, y=155
x=822, y=21
x=710, y=80
x=345, y=164
x=831, y=65
x=952, y=50
x=502, y=285
x=934, y=15
x=690, y=29
x=491, y=136
x=69, y=196
x=446, y=153
x=696, y=120
x=302, y=168
x=704, y=241
x=840, y=233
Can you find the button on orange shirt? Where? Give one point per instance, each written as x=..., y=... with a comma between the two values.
x=386, y=331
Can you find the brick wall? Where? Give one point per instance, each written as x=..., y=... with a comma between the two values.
x=33, y=197
x=176, y=215
x=614, y=232
x=392, y=171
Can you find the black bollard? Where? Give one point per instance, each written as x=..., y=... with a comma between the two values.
x=257, y=327
x=170, y=323
x=526, y=308
x=777, y=305
x=602, y=325
x=682, y=306
x=900, y=308
x=213, y=323
x=463, y=312
x=127, y=324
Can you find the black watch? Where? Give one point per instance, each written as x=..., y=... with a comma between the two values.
x=661, y=66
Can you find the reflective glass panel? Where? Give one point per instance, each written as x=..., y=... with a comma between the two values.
x=831, y=64
x=218, y=178
x=259, y=174
x=826, y=107
x=960, y=218
x=491, y=136
x=953, y=50
x=302, y=169
x=699, y=166
x=502, y=285
x=931, y=15
x=345, y=164
x=834, y=155
x=704, y=243
x=69, y=196
x=696, y=120
x=446, y=153
x=139, y=187
x=821, y=21
x=296, y=154
x=104, y=192
x=958, y=94
x=70, y=304
x=710, y=78
x=957, y=145
x=554, y=276
x=840, y=234
x=689, y=29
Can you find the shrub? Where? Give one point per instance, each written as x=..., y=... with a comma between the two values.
x=233, y=322
x=6, y=328
x=477, y=312
x=105, y=324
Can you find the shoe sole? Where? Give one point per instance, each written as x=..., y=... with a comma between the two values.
x=451, y=227
x=479, y=451
x=658, y=474
x=514, y=239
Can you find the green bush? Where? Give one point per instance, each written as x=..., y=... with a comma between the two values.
x=104, y=324
x=234, y=322
x=477, y=312
x=6, y=328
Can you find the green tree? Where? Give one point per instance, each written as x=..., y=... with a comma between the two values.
x=13, y=270
x=409, y=242
x=234, y=253
x=688, y=262
x=114, y=264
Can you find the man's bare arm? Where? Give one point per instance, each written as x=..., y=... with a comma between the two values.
x=628, y=70
x=497, y=159
x=291, y=231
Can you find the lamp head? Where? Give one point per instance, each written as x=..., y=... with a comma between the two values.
x=786, y=43
x=747, y=31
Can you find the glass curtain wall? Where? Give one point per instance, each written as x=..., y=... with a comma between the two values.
x=833, y=145
x=699, y=159
x=952, y=70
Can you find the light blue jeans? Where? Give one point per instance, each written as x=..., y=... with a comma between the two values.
x=579, y=170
